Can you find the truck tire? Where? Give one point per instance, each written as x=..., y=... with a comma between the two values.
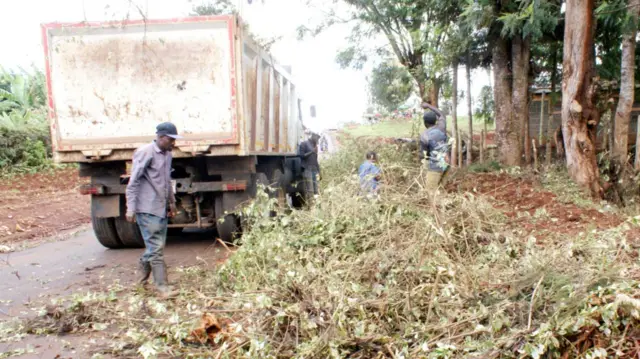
x=105, y=231
x=229, y=229
x=129, y=233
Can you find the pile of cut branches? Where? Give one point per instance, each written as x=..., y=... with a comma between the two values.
x=409, y=275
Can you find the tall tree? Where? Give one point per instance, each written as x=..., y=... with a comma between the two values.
x=627, y=86
x=454, y=113
x=416, y=32
x=512, y=26
x=579, y=115
x=520, y=57
x=507, y=128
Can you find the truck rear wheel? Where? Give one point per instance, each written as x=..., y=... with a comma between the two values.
x=129, y=233
x=229, y=229
x=105, y=231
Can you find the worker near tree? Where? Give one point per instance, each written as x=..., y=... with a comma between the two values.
x=434, y=148
x=369, y=174
x=442, y=119
x=308, y=152
x=151, y=201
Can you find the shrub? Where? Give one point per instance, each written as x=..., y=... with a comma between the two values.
x=25, y=144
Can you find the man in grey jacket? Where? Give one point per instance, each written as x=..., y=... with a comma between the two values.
x=151, y=201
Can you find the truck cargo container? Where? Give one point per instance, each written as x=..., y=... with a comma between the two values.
x=111, y=83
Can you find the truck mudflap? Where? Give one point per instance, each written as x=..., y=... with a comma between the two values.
x=105, y=206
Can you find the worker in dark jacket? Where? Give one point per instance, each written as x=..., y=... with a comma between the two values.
x=434, y=148
x=308, y=152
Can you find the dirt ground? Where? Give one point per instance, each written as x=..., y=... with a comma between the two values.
x=42, y=205
x=537, y=211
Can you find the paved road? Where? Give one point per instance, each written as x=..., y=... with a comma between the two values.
x=30, y=278
x=80, y=264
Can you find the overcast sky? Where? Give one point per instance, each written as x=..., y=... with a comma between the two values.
x=339, y=95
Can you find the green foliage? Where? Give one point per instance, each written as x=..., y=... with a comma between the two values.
x=24, y=131
x=532, y=19
x=227, y=7
x=525, y=18
x=417, y=33
x=21, y=92
x=390, y=85
x=485, y=167
x=485, y=105
x=217, y=7
x=614, y=19
x=24, y=143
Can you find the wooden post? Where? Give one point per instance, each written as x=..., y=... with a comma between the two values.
x=637, y=160
x=606, y=128
x=482, y=146
x=535, y=154
x=540, y=138
x=460, y=163
x=470, y=108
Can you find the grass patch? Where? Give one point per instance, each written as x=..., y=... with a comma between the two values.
x=556, y=180
x=410, y=128
x=484, y=167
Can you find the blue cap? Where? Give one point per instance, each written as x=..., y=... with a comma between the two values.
x=167, y=129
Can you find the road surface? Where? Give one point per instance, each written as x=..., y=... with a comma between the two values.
x=81, y=264
x=31, y=278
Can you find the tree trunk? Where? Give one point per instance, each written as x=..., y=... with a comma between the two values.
x=552, y=104
x=579, y=115
x=507, y=130
x=470, y=107
x=636, y=164
x=627, y=82
x=520, y=63
x=454, y=114
x=434, y=92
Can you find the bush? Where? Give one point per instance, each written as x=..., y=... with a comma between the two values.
x=25, y=144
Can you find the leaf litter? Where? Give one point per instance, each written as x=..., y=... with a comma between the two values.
x=410, y=275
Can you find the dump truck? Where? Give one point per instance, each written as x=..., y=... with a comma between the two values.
x=110, y=84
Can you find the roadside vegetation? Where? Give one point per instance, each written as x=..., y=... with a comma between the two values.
x=410, y=127
x=25, y=145
x=408, y=276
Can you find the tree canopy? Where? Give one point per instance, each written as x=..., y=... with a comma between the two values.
x=390, y=85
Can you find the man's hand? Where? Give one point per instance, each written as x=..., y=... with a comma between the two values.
x=172, y=210
x=131, y=217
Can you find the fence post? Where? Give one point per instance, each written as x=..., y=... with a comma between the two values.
x=482, y=146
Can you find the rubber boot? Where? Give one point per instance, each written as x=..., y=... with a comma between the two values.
x=144, y=272
x=161, y=282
